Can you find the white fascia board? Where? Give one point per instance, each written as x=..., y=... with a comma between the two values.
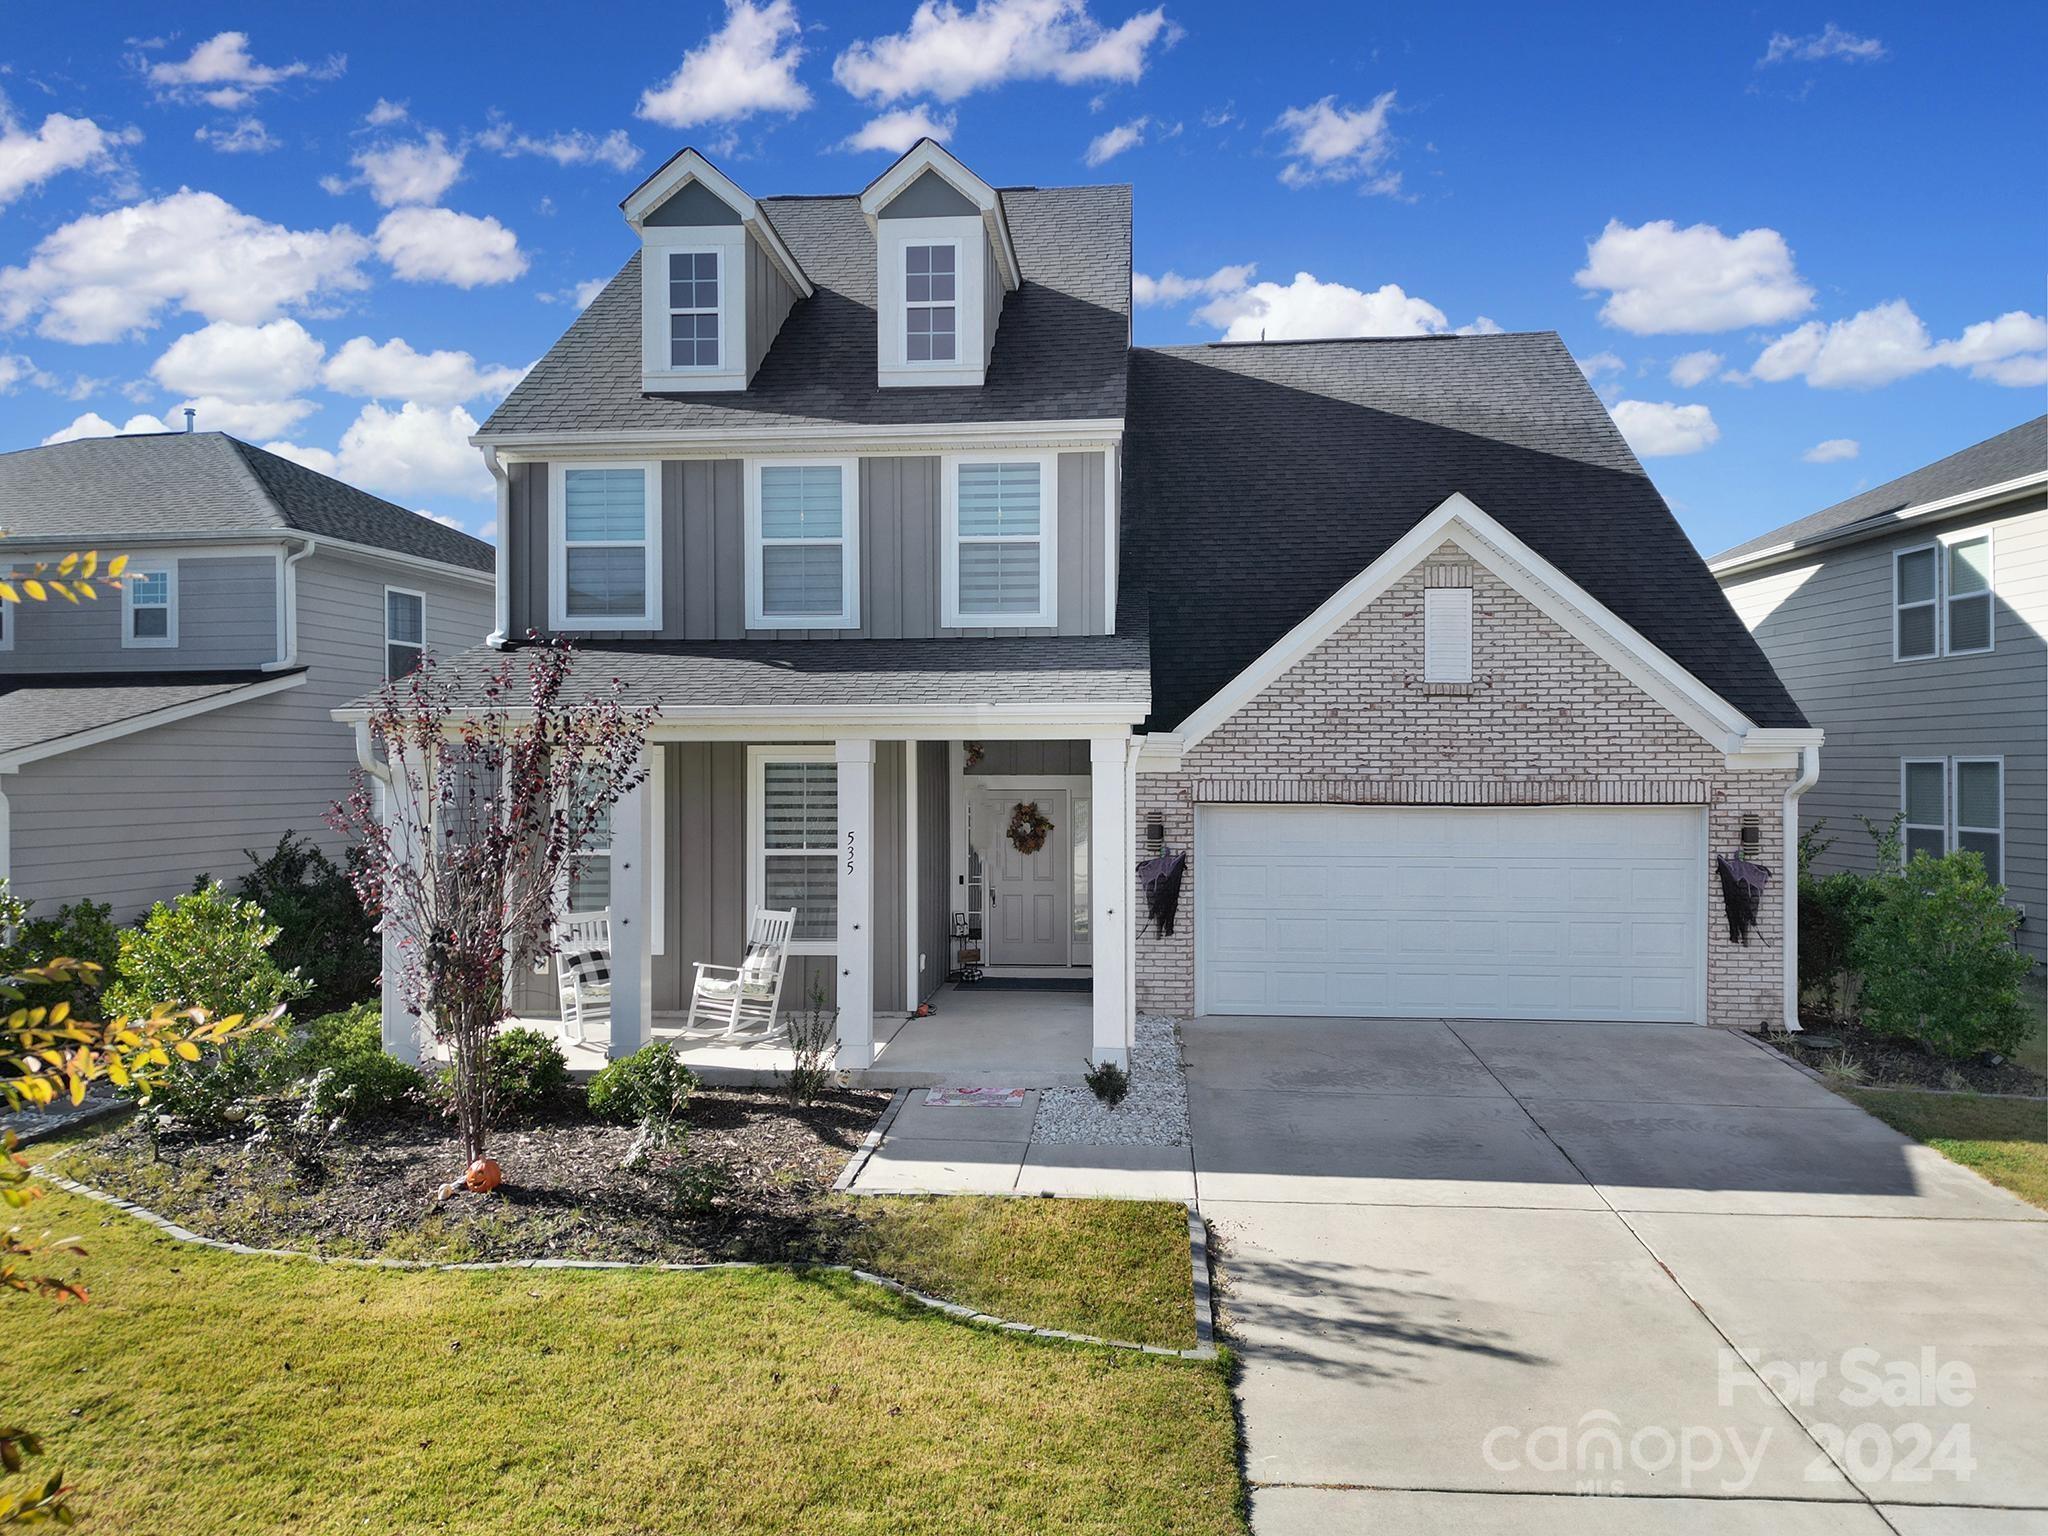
x=117, y=729
x=881, y=723
x=222, y=546
x=1961, y=504
x=1555, y=594
x=1161, y=752
x=928, y=155
x=738, y=442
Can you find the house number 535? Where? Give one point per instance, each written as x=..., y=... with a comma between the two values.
x=849, y=853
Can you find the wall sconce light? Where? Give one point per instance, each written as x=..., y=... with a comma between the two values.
x=1155, y=833
x=1752, y=833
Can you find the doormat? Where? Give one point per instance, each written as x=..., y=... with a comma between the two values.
x=1035, y=984
x=977, y=1098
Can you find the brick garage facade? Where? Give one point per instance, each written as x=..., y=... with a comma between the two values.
x=1544, y=721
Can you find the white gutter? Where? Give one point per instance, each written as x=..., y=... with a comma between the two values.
x=249, y=541
x=366, y=755
x=1982, y=498
x=502, y=611
x=288, y=608
x=915, y=437
x=1809, y=771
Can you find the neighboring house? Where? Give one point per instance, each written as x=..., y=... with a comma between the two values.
x=872, y=495
x=154, y=736
x=1911, y=623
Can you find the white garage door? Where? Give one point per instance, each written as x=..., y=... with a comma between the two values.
x=1538, y=913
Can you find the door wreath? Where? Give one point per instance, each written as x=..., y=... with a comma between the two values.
x=1028, y=827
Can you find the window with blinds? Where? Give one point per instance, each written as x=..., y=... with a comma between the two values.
x=1923, y=800
x=1915, y=575
x=405, y=631
x=804, y=561
x=1980, y=812
x=798, y=821
x=1969, y=595
x=1001, y=563
x=607, y=546
x=1447, y=635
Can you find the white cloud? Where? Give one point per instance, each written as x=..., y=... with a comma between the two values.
x=1661, y=279
x=106, y=275
x=1110, y=144
x=1481, y=326
x=1692, y=369
x=92, y=424
x=1833, y=451
x=410, y=452
x=1831, y=42
x=1600, y=363
x=1327, y=142
x=897, y=131
x=244, y=418
x=385, y=113
x=1665, y=431
x=27, y=160
x=438, y=245
x=746, y=66
x=570, y=147
x=247, y=363
x=1888, y=341
x=950, y=53
x=394, y=371
x=1307, y=308
x=222, y=73
x=420, y=171
x=245, y=136
x=442, y=518
x=1171, y=288
x=16, y=369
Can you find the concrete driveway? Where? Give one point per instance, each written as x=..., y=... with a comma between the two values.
x=1475, y=1266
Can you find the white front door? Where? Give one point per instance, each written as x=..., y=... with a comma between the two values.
x=1514, y=913
x=1029, y=895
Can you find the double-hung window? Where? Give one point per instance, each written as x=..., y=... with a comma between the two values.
x=6, y=626
x=590, y=868
x=1000, y=527
x=605, y=573
x=931, y=300
x=803, y=552
x=1967, y=613
x=693, y=283
x=405, y=631
x=149, y=605
x=793, y=834
x=1950, y=803
x=1916, y=579
x=1941, y=598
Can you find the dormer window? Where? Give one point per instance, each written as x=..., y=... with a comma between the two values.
x=931, y=293
x=693, y=336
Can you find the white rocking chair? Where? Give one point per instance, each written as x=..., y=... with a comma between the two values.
x=749, y=994
x=583, y=976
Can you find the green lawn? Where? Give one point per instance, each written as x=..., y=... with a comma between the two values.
x=2006, y=1140
x=201, y=1393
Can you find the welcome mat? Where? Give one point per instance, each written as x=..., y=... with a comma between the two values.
x=977, y=1098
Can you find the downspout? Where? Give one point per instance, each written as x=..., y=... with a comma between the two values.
x=1809, y=771
x=288, y=605
x=502, y=613
x=1132, y=745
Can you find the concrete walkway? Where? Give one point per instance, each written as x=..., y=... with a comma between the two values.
x=1472, y=1267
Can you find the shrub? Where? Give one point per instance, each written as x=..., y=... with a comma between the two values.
x=1109, y=1082
x=528, y=1071
x=1937, y=958
x=813, y=1035
x=650, y=1083
x=205, y=949
x=346, y=1071
x=208, y=1096
x=1833, y=910
x=323, y=931
x=80, y=930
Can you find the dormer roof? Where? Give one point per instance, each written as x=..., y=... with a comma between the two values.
x=687, y=167
x=928, y=157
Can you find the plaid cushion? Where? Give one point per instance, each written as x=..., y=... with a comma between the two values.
x=590, y=967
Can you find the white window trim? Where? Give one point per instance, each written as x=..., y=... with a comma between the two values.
x=669, y=310
x=904, y=305
x=558, y=556
x=1899, y=605
x=1047, y=615
x=758, y=759
x=421, y=645
x=1989, y=594
x=1956, y=829
x=1947, y=799
x=848, y=616
x=169, y=638
x=10, y=615
x=970, y=301
x=658, y=372
x=1446, y=606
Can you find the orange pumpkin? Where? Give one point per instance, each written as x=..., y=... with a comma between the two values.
x=484, y=1176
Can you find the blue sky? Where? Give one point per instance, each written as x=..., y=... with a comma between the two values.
x=1799, y=249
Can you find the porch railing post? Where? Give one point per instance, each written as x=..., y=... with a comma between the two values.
x=1110, y=887
x=632, y=924
x=855, y=956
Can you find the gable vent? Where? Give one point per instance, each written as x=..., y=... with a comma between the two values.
x=1447, y=635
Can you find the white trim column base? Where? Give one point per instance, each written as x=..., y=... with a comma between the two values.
x=1110, y=887
x=632, y=923
x=855, y=951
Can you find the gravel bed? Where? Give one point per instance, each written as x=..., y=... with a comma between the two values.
x=1155, y=1114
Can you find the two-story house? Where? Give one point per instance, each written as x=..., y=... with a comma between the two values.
x=1911, y=623
x=872, y=495
x=154, y=736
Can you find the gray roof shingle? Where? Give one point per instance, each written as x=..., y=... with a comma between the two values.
x=1261, y=478
x=37, y=709
x=2008, y=456
x=1059, y=349
x=151, y=485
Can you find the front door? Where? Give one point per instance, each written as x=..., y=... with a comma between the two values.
x=1030, y=895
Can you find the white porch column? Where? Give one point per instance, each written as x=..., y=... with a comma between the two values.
x=399, y=1029
x=1110, y=885
x=632, y=923
x=856, y=959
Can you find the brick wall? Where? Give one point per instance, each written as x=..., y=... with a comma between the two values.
x=1544, y=721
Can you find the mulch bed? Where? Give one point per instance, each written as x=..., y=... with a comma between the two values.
x=1894, y=1063
x=751, y=1181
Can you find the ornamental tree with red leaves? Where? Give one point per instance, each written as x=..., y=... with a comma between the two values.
x=492, y=783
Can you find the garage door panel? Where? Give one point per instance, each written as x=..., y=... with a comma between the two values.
x=1519, y=913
